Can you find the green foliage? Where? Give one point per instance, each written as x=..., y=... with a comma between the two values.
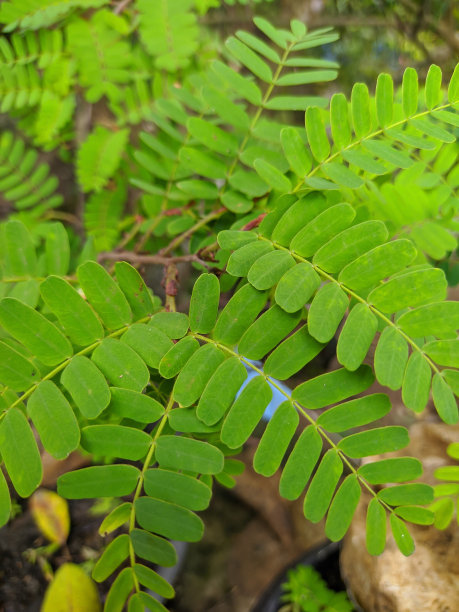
x=320, y=231
x=305, y=590
x=446, y=493
x=40, y=13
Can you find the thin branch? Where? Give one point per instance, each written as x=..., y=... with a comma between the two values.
x=154, y=260
x=119, y=8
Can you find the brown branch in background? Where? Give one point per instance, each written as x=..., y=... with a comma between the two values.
x=254, y=223
x=153, y=260
x=170, y=284
x=120, y=6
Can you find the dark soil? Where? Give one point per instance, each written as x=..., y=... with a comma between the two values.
x=22, y=581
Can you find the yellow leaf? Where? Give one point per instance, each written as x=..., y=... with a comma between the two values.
x=71, y=591
x=51, y=514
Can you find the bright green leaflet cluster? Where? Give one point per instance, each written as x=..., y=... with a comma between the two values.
x=446, y=493
x=306, y=591
x=293, y=222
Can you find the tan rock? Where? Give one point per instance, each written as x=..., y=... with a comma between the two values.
x=428, y=581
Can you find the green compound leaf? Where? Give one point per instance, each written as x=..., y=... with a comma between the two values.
x=267, y=331
x=444, y=400
x=374, y=442
x=117, y=517
x=242, y=260
x=317, y=136
x=136, y=406
x=54, y=420
x=221, y=390
x=396, y=469
x=234, y=239
x=87, y=386
x=356, y=337
x=414, y=514
x=342, y=508
x=34, y=331
x=173, y=324
x=410, y=92
x=349, y=244
x=387, y=153
x=333, y=387
x=413, y=289
x=449, y=472
x=296, y=287
x=431, y=320
x=322, y=487
x=249, y=59
x=384, y=99
x=212, y=136
x=149, y=342
x=275, y=439
x=402, y=536
x=360, y=107
x=20, y=453
x=177, y=488
x=16, y=371
x=179, y=453
x=177, y=356
x=98, y=481
x=272, y=176
x=104, y=295
x=355, y=413
x=292, y=355
x=295, y=152
x=339, y=113
x=115, y=441
x=238, y=314
x=121, y=365
x=202, y=164
x=196, y=373
x=390, y=359
x=5, y=501
x=296, y=215
x=112, y=557
x=19, y=251
x=153, y=548
x=74, y=314
x=119, y=591
x=147, y=601
x=326, y=312
x=269, y=269
x=153, y=581
x=376, y=527
x=416, y=493
x=204, y=303
x=246, y=412
x=377, y=264
x=185, y=420
x=57, y=250
x=99, y=157
x=339, y=174
x=135, y=290
x=321, y=229
x=416, y=383
x=443, y=352
x=168, y=520
x=300, y=463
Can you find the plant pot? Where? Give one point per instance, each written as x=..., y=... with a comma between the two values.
x=324, y=558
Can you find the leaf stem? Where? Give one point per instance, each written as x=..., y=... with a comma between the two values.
x=138, y=490
x=361, y=140
x=357, y=297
